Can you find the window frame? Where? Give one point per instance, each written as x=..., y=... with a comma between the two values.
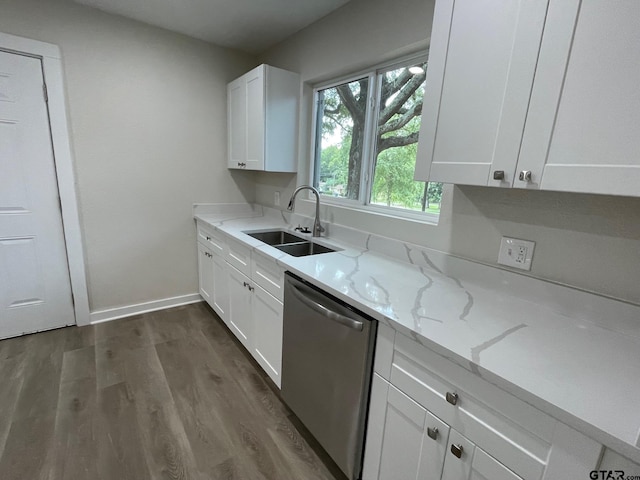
x=367, y=173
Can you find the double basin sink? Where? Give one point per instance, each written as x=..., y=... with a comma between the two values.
x=289, y=243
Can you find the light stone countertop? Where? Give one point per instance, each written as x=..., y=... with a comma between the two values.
x=572, y=354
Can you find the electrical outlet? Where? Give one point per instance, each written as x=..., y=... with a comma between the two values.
x=276, y=198
x=516, y=253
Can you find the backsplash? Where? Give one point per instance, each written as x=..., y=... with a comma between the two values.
x=591, y=242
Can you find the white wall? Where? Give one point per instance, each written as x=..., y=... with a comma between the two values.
x=588, y=241
x=148, y=119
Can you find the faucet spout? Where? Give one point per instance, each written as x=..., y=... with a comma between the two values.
x=317, y=227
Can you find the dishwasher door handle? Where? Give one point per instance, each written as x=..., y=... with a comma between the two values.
x=330, y=314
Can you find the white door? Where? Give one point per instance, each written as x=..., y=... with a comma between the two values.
x=240, y=310
x=237, y=123
x=582, y=127
x=220, y=296
x=482, y=61
x=255, y=118
x=267, y=315
x=414, y=441
x=35, y=290
x=205, y=272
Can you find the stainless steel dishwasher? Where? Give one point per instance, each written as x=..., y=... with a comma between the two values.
x=327, y=363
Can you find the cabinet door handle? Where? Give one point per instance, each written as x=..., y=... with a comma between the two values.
x=457, y=450
x=498, y=175
x=452, y=398
x=432, y=432
x=525, y=176
x=208, y=239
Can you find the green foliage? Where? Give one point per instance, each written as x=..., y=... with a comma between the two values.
x=343, y=108
x=334, y=168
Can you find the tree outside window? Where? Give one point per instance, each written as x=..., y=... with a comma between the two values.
x=366, y=140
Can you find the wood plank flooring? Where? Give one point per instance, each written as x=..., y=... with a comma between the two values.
x=165, y=395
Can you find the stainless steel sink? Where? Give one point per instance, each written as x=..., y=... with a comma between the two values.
x=303, y=248
x=276, y=237
x=289, y=243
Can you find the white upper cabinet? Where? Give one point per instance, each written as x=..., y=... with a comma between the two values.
x=262, y=113
x=534, y=94
x=482, y=59
x=584, y=118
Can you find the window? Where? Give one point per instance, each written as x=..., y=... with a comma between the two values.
x=366, y=135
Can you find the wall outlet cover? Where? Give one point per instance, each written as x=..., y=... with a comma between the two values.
x=516, y=253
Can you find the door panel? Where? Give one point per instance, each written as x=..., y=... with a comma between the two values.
x=267, y=315
x=237, y=115
x=255, y=119
x=205, y=271
x=478, y=89
x=35, y=291
x=240, y=312
x=458, y=468
x=581, y=132
x=220, y=288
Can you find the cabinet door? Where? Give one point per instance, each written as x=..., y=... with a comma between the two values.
x=408, y=452
x=240, y=311
x=482, y=61
x=465, y=461
x=255, y=118
x=457, y=466
x=220, y=296
x=237, y=123
x=267, y=317
x=205, y=273
x=582, y=129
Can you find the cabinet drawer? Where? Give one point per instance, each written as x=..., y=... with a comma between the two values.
x=239, y=256
x=519, y=436
x=268, y=274
x=212, y=239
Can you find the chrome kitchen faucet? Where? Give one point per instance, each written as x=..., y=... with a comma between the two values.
x=317, y=227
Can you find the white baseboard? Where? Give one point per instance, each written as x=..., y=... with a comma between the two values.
x=121, y=312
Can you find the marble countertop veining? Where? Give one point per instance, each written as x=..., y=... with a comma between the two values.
x=573, y=355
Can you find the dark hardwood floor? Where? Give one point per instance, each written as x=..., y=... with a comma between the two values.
x=165, y=395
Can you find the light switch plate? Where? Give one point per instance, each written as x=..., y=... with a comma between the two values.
x=516, y=253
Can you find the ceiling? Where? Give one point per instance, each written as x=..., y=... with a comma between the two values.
x=249, y=25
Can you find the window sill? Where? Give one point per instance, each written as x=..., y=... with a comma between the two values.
x=379, y=211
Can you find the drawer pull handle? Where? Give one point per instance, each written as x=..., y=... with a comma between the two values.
x=457, y=450
x=525, y=176
x=432, y=432
x=452, y=398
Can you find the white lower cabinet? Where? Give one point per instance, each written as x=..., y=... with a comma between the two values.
x=414, y=441
x=212, y=275
x=267, y=345
x=205, y=273
x=220, y=296
x=255, y=317
x=244, y=288
x=240, y=310
x=418, y=445
x=436, y=420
